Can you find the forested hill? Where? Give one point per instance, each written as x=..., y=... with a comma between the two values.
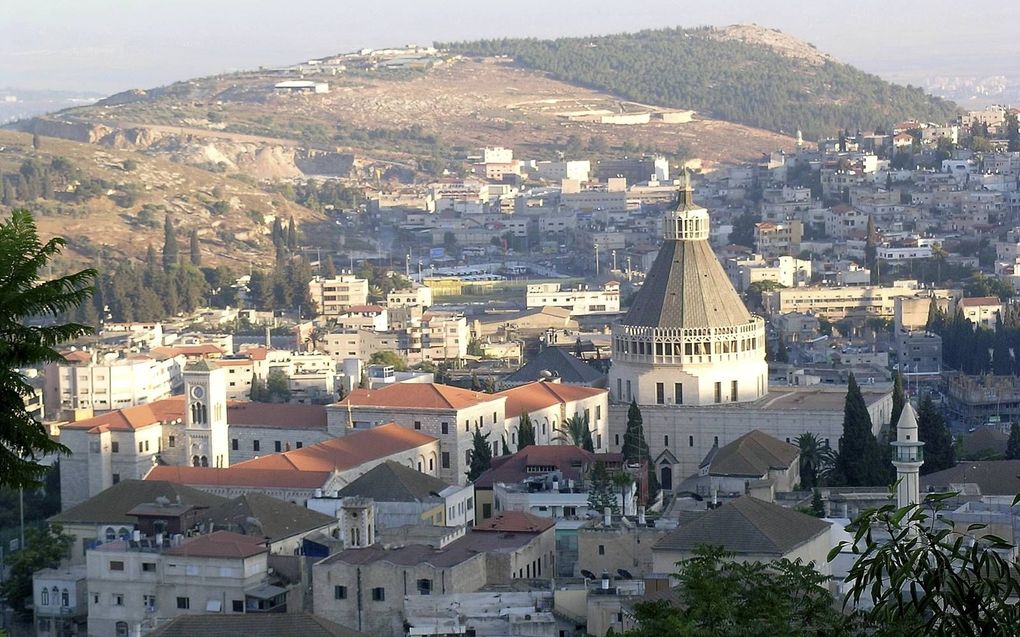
x=734, y=78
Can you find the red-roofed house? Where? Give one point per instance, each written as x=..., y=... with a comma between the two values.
x=548, y=404
x=450, y=414
x=982, y=311
x=327, y=466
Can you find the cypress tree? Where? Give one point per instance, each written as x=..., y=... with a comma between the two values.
x=1013, y=445
x=525, y=432
x=196, y=250
x=817, y=504
x=635, y=447
x=292, y=236
x=939, y=450
x=278, y=238
x=170, y=250
x=601, y=494
x=328, y=268
x=1002, y=362
x=860, y=462
x=898, y=400
x=481, y=455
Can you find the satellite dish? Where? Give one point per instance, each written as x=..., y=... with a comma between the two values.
x=588, y=574
x=624, y=574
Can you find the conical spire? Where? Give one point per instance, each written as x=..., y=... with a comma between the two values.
x=906, y=427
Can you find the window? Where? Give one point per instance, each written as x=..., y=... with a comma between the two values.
x=665, y=440
x=95, y=599
x=111, y=535
x=690, y=441
x=444, y=427
x=146, y=445
x=149, y=601
x=486, y=511
x=602, y=549
x=467, y=457
x=237, y=605
x=171, y=441
x=235, y=444
x=378, y=594
x=299, y=444
x=716, y=441
x=446, y=459
x=417, y=425
x=278, y=446
x=140, y=446
x=339, y=592
x=116, y=478
x=467, y=425
x=733, y=391
x=718, y=392
x=116, y=565
x=678, y=393
x=254, y=445
x=598, y=412
x=660, y=393
x=628, y=390
x=148, y=567
x=115, y=447
x=183, y=603
x=45, y=597
x=118, y=599
x=616, y=438
x=121, y=629
x=432, y=464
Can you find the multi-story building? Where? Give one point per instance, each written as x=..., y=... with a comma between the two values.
x=580, y=301
x=136, y=584
x=548, y=404
x=89, y=383
x=557, y=170
x=778, y=239
x=60, y=601
x=785, y=270
x=332, y=296
x=835, y=303
x=447, y=413
x=982, y=311
x=365, y=588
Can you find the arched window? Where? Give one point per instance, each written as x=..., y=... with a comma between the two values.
x=205, y=461
x=65, y=598
x=121, y=629
x=123, y=533
x=194, y=461
x=111, y=535
x=45, y=597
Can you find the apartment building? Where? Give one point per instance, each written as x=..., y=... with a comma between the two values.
x=835, y=303
x=581, y=301
x=94, y=383
x=778, y=239
x=414, y=295
x=333, y=295
x=134, y=585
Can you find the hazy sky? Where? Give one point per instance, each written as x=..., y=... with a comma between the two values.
x=112, y=45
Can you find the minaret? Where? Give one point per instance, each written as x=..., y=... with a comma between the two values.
x=908, y=457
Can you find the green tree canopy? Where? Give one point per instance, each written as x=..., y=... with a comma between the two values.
x=859, y=462
x=389, y=358
x=635, y=447
x=576, y=432
x=26, y=294
x=601, y=494
x=44, y=547
x=1013, y=444
x=481, y=455
x=525, y=432
x=939, y=450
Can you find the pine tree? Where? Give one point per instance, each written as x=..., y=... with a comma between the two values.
x=635, y=447
x=481, y=455
x=860, y=462
x=1013, y=445
x=525, y=432
x=170, y=250
x=939, y=450
x=601, y=494
x=196, y=250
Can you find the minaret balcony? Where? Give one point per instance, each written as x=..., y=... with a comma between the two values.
x=908, y=453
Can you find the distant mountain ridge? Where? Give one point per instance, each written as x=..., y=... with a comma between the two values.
x=744, y=74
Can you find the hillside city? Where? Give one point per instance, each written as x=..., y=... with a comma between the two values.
x=508, y=391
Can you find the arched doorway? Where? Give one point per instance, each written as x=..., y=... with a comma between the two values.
x=666, y=477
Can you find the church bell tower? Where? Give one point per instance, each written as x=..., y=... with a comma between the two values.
x=205, y=415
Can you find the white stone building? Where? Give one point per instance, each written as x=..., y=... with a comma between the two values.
x=93, y=383
x=332, y=296
x=580, y=301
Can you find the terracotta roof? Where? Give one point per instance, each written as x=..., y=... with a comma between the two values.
x=416, y=396
x=975, y=301
x=252, y=625
x=276, y=415
x=515, y=522
x=239, y=476
x=540, y=395
x=343, y=453
x=221, y=544
x=234, y=362
x=133, y=418
x=571, y=461
x=746, y=525
x=752, y=454
x=256, y=353
x=78, y=356
x=111, y=505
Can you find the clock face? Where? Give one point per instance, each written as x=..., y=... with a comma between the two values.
x=198, y=392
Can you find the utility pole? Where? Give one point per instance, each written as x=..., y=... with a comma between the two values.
x=596, y=260
x=614, y=259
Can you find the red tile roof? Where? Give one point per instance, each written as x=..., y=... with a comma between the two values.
x=417, y=396
x=221, y=544
x=343, y=453
x=515, y=522
x=276, y=415
x=239, y=476
x=256, y=353
x=540, y=395
x=78, y=356
x=571, y=461
x=133, y=418
x=976, y=301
